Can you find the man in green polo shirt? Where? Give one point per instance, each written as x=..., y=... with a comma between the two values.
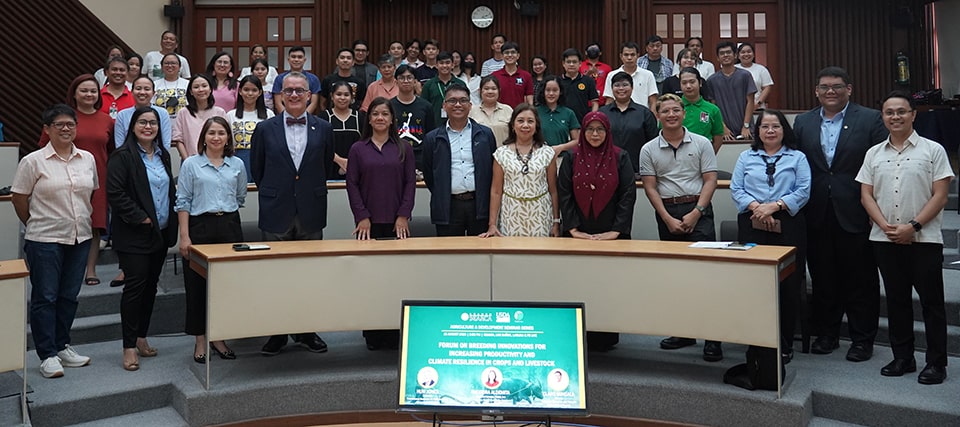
x=435, y=89
x=702, y=117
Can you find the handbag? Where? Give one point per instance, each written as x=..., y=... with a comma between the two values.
x=759, y=373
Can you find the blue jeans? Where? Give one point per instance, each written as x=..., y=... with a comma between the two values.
x=56, y=272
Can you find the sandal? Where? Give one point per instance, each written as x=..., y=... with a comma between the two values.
x=130, y=365
x=147, y=351
x=91, y=281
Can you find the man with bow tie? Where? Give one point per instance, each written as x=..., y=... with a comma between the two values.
x=289, y=156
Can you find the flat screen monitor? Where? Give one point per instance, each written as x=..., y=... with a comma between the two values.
x=493, y=358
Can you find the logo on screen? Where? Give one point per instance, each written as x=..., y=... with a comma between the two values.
x=518, y=315
x=503, y=317
x=476, y=317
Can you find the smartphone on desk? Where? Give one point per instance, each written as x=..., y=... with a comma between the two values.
x=242, y=247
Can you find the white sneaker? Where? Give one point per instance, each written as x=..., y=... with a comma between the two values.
x=51, y=368
x=69, y=358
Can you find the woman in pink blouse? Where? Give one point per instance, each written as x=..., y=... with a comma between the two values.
x=190, y=119
x=224, y=86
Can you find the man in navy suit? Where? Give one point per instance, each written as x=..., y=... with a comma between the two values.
x=288, y=160
x=835, y=138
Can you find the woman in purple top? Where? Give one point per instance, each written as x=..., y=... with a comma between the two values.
x=381, y=179
x=381, y=183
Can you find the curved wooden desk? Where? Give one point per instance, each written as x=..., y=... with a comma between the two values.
x=13, y=323
x=641, y=287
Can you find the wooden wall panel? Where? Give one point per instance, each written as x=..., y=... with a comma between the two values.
x=555, y=29
x=856, y=35
x=47, y=43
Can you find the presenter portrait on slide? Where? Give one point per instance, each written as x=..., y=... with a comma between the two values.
x=288, y=158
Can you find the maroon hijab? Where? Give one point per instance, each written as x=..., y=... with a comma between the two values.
x=595, y=176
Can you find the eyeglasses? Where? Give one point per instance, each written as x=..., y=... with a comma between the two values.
x=63, y=125
x=150, y=123
x=510, y=52
x=170, y=64
x=827, y=88
x=406, y=78
x=457, y=101
x=597, y=130
x=896, y=113
x=294, y=91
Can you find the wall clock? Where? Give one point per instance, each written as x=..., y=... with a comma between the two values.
x=482, y=17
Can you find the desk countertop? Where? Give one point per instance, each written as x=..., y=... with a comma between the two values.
x=496, y=245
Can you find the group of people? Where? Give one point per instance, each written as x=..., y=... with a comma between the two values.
x=503, y=166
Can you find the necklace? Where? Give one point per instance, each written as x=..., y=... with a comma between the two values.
x=524, y=159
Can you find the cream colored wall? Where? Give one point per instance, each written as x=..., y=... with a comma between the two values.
x=139, y=23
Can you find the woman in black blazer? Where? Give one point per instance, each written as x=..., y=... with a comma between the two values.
x=141, y=193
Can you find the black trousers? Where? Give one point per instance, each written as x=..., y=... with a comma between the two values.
x=463, y=219
x=295, y=232
x=142, y=272
x=845, y=280
x=703, y=231
x=904, y=268
x=388, y=338
x=205, y=229
x=793, y=233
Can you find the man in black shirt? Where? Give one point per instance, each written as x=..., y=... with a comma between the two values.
x=580, y=92
x=344, y=72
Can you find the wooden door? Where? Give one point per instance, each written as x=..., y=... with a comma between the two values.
x=235, y=29
x=719, y=21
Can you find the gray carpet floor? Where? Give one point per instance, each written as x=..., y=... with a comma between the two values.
x=637, y=379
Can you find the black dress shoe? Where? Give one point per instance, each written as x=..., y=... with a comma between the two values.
x=274, y=345
x=786, y=356
x=201, y=359
x=674, y=343
x=225, y=355
x=312, y=342
x=824, y=345
x=860, y=352
x=932, y=375
x=899, y=367
x=712, y=351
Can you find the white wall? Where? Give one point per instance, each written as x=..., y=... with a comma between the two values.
x=139, y=23
x=948, y=38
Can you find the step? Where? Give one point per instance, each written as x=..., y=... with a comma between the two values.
x=827, y=422
x=163, y=417
x=168, y=317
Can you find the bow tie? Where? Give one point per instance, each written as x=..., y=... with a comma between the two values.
x=300, y=121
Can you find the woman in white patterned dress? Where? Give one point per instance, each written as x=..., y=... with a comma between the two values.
x=523, y=196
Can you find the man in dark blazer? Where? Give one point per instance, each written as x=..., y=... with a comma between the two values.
x=288, y=160
x=835, y=137
x=458, y=168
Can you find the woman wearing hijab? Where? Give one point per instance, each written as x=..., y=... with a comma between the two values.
x=597, y=192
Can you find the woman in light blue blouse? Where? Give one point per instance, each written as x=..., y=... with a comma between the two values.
x=210, y=191
x=770, y=184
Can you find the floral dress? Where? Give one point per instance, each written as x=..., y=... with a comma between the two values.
x=526, y=208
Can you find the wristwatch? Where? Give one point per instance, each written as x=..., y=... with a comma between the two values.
x=779, y=205
x=746, y=125
x=701, y=209
x=916, y=225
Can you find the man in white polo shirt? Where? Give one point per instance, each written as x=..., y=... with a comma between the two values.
x=644, y=83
